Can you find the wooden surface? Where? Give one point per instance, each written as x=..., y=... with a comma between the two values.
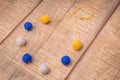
x=100, y=36
x=12, y=13
x=101, y=61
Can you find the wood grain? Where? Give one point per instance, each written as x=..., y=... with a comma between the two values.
x=59, y=44
x=48, y=43
x=37, y=37
x=6, y=69
x=12, y=12
x=10, y=71
x=101, y=61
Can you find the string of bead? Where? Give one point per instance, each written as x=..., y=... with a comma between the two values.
x=65, y=60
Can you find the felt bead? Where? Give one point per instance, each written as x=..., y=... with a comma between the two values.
x=28, y=26
x=77, y=45
x=65, y=60
x=20, y=41
x=45, y=19
x=44, y=69
x=27, y=58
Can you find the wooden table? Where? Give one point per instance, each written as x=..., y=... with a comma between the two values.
x=99, y=58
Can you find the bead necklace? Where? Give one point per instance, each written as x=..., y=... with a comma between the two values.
x=76, y=45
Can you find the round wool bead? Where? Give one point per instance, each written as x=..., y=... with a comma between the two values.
x=44, y=69
x=45, y=19
x=27, y=58
x=20, y=41
x=65, y=60
x=77, y=45
x=28, y=26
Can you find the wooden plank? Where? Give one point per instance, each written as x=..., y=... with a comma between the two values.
x=10, y=71
x=6, y=68
x=37, y=37
x=21, y=75
x=59, y=44
x=101, y=61
x=12, y=12
x=50, y=42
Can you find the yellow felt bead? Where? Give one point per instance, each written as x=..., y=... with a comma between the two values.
x=77, y=45
x=45, y=19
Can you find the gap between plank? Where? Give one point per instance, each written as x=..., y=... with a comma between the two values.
x=55, y=28
x=41, y=45
x=12, y=74
x=103, y=25
x=21, y=22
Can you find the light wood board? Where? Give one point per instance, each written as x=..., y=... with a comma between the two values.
x=101, y=61
x=12, y=13
x=48, y=43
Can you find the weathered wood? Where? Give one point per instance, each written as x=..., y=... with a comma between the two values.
x=101, y=61
x=6, y=68
x=59, y=44
x=37, y=37
x=19, y=74
x=48, y=43
x=11, y=71
x=12, y=12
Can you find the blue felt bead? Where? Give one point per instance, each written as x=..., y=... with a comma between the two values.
x=27, y=58
x=65, y=60
x=28, y=26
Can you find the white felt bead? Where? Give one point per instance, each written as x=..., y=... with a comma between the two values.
x=44, y=69
x=21, y=41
